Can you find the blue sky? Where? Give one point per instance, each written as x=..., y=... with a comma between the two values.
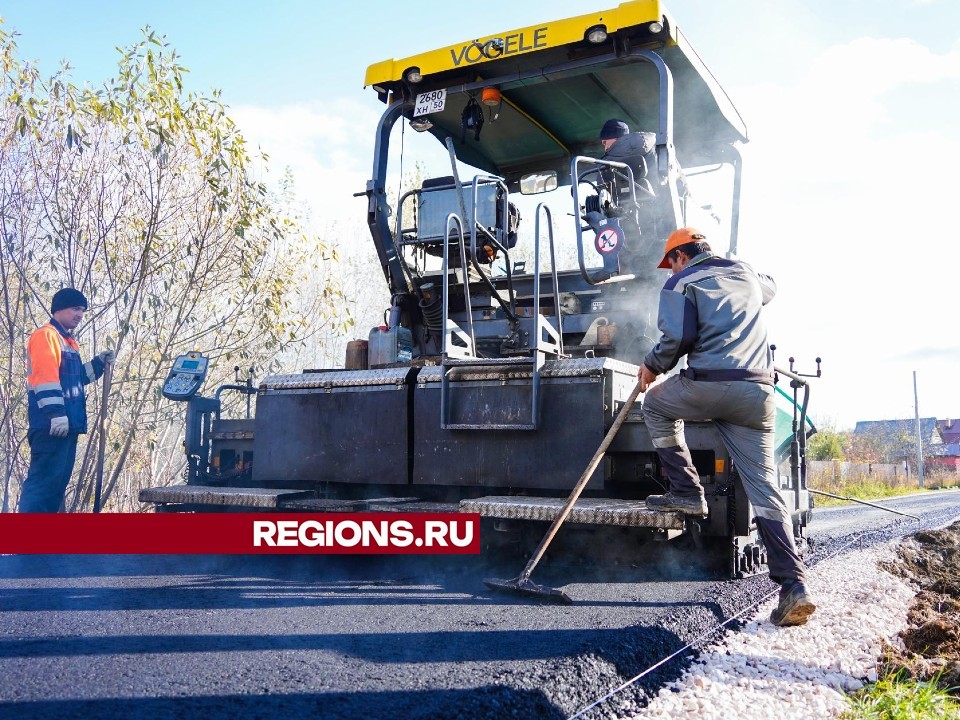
x=850, y=188
x=277, y=54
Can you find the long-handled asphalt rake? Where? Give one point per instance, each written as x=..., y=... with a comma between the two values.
x=522, y=584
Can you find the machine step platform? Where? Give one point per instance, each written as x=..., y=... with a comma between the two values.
x=588, y=511
x=257, y=498
x=286, y=500
x=377, y=505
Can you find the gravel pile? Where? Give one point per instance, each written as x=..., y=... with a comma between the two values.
x=801, y=672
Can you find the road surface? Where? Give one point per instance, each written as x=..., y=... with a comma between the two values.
x=356, y=637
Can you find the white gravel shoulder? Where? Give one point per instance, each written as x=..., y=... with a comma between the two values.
x=803, y=672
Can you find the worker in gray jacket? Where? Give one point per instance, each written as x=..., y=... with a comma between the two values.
x=710, y=311
x=636, y=149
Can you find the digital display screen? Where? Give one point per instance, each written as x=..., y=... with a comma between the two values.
x=190, y=364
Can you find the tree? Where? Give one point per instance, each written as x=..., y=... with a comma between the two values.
x=826, y=445
x=884, y=441
x=141, y=195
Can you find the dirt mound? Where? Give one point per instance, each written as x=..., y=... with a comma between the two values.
x=931, y=559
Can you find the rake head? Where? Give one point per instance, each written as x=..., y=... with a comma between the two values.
x=523, y=586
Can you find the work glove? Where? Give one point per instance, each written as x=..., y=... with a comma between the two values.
x=107, y=357
x=59, y=426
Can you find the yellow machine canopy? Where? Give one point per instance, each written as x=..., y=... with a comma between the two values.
x=545, y=90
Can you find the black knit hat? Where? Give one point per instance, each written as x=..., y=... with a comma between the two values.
x=67, y=298
x=614, y=129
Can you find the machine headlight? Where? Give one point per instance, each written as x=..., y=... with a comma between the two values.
x=597, y=34
x=421, y=124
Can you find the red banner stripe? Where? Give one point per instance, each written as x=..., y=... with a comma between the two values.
x=241, y=533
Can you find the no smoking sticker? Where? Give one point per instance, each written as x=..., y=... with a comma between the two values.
x=608, y=241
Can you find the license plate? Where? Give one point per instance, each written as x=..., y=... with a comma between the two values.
x=430, y=102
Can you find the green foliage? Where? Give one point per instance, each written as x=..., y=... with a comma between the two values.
x=826, y=445
x=897, y=698
x=143, y=196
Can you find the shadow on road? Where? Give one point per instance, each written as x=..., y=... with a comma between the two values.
x=480, y=645
x=163, y=582
x=472, y=704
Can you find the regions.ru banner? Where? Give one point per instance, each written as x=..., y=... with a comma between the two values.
x=241, y=533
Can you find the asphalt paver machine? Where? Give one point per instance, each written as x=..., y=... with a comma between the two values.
x=524, y=293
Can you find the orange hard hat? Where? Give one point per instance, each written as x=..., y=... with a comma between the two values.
x=679, y=237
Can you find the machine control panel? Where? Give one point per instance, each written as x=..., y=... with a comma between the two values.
x=186, y=376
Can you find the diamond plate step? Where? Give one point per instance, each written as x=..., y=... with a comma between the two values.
x=260, y=498
x=589, y=511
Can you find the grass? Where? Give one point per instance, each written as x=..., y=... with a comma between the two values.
x=864, y=487
x=894, y=696
x=897, y=698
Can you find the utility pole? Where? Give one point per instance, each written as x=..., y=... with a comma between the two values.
x=916, y=414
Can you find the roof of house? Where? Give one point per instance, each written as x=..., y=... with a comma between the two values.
x=906, y=427
x=949, y=426
x=945, y=450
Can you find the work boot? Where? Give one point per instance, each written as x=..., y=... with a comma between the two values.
x=668, y=502
x=795, y=605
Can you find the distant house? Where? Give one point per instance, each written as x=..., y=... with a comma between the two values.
x=894, y=440
x=945, y=456
x=929, y=429
x=949, y=430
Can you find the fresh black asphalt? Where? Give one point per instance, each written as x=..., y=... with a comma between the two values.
x=110, y=637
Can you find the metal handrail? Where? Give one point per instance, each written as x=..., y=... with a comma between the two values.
x=553, y=272
x=798, y=446
x=575, y=175
x=458, y=224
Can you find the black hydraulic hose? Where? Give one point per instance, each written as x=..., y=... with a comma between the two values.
x=432, y=309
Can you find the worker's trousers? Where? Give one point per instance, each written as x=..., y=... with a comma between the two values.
x=745, y=416
x=51, y=464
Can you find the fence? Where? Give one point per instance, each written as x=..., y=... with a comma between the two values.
x=876, y=479
x=837, y=470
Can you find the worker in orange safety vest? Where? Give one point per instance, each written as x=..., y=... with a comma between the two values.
x=57, y=409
